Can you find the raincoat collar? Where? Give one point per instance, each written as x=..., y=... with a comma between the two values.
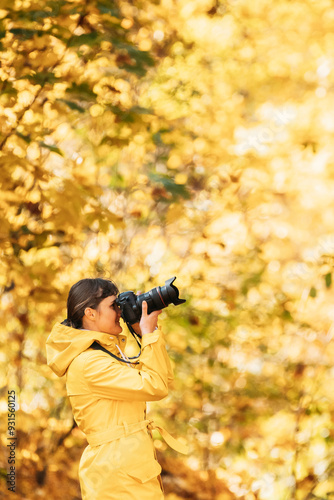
x=65, y=343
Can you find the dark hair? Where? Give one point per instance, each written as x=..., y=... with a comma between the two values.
x=87, y=293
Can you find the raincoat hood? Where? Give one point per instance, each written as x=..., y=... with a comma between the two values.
x=65, y=343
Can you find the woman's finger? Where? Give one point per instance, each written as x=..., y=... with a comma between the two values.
x=144, y=308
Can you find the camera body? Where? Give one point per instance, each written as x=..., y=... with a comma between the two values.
x=157, y=298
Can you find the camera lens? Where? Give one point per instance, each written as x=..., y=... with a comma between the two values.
x=157, y=298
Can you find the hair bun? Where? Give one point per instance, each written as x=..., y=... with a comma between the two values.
x=66, y=322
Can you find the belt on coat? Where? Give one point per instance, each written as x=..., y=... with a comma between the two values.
x=98, y=438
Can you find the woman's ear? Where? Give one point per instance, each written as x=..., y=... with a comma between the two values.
x=90, y=313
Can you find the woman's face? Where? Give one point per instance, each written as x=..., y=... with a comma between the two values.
x=105, y=318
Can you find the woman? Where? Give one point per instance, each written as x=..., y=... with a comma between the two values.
x=108, y=392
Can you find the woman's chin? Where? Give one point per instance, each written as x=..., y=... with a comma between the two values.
x=116, y=330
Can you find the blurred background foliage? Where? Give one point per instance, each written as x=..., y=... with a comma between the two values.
x=146, y=139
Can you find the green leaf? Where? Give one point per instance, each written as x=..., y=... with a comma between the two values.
x=85, y=39
x=41, y=78
x=139, y=59
x=114, y=141
x=137, y=54
x=8, y=89
x=26, y=34
x=139, y=110
x=328, y=280
x=313, y=292
x=157, y=139
x=26, y=138
x=117, y=181
x=81, y=91
x=125, y=116
x=286, y=315
x=54, y=149
x=72, y=105
x=251, y=281
x=32, y=15
x=60, y=32
x=129, y=116
x=157, y=136
x=55, y=7
x=105, y=8
x=177, y=190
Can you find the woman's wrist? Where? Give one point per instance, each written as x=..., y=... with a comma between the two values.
x=145, y=331
x=149, y=331
x=137, y=329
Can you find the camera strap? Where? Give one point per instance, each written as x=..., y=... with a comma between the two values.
x=95, y=345
x=135, y=336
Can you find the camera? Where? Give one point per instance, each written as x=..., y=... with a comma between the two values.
x=157, y=298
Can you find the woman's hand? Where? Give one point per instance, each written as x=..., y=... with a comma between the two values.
x=136, y=326
x=151, y=321
x=148, y=322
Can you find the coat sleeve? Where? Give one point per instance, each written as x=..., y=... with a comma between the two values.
x=170, y=375
x=108, y=378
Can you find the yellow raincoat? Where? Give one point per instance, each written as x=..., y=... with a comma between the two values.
x=108, y=399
